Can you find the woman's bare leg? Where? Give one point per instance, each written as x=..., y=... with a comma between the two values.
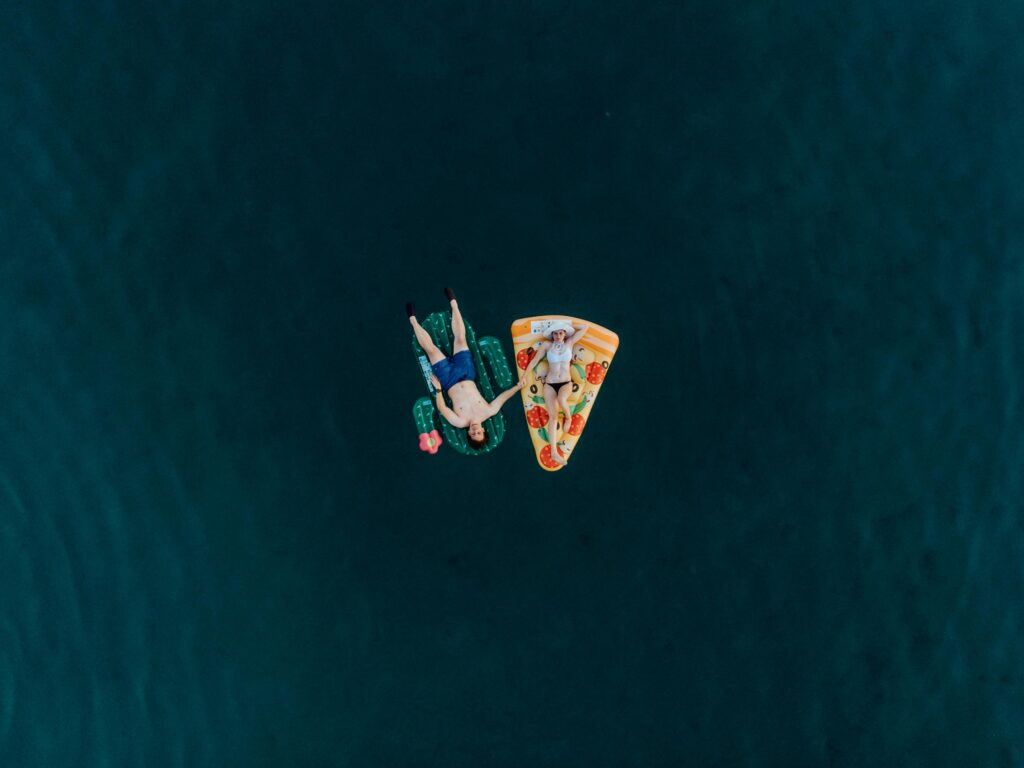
x=434, y=355
x=563, y=400
x=551, y=400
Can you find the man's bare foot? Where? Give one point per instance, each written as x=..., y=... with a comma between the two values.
x=557, y=456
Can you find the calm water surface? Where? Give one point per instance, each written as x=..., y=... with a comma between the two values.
x=792, y=535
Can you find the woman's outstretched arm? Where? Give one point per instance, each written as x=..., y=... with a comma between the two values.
x=500, y=400
x=541, y=353
x=581, y=331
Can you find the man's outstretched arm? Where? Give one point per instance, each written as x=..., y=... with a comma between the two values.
x=500, y=400
x=442, y=407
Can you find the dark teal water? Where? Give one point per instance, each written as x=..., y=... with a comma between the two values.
x=792, y=535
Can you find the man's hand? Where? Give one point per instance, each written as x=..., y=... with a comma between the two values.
x=436, y=382
x=521, y=383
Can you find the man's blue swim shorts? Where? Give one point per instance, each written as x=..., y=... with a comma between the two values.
x=452, y=370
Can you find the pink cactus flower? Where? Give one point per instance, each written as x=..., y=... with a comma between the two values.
x=430, y=441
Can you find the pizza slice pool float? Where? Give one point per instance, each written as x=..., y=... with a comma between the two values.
x=591, y=357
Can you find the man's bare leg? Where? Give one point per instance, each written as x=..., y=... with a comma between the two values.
x=458, y=325
x=434, y=355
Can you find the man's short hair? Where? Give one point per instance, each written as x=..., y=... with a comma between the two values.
x=476, y=445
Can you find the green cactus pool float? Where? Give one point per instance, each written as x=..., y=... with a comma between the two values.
x=493, y=376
